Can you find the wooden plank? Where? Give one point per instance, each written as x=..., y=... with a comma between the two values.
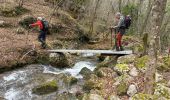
x=109, y=52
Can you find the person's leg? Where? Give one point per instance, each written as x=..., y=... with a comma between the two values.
x=43, y=40
x=118, y=41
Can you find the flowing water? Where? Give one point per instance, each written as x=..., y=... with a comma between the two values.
x=17, y=84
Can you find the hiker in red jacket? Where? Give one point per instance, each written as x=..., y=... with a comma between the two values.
x=42, y=35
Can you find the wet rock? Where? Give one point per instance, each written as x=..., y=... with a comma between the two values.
x=66, y=96
x=46, y=88
x=126, y=59
x=91, y=83
x=61, y=60
x=86, y=72
x=106, y=72
x=122, y=89
x=20, y=30
x=114, y=97
x=121, y=68
x=92, y=97
x=132, y=90
x=67, y=79
x=134, y=72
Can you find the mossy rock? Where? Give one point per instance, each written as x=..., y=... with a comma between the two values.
x=46, y=88
x=140, y=63
x=92, y=83
x=126, y=59
x=121, y=68
x=138, y=48
x=165, y=65
x=122, y=89
x=86, y=72
x=162, y=91
x=67, y=79
x=13, y=11
x=66, y=96
x=106, y=72
x=141, y=96
x=92, y=97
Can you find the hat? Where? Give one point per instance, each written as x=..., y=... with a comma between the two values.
x=39, y=18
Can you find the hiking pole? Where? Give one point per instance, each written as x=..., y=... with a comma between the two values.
x=111, y=37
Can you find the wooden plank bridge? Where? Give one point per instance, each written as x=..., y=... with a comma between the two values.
x=102, y=52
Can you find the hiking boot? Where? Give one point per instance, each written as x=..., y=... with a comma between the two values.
x=43, y=46
x=117, y=49
x=121, y=48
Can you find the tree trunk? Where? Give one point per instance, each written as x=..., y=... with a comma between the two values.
x=157, y=17
x=93, y=18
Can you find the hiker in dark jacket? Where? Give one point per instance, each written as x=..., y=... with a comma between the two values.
x=120, y=30
x=42, y=35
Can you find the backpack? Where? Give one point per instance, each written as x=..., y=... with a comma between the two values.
x=45, y=25
x=127, y=22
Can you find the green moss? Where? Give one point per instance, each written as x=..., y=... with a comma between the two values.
x=122, y=89
x=141, y=96
x=162, y=91
x=46, y=88
x=122, y=67
x=140, y=63
x=164, y=65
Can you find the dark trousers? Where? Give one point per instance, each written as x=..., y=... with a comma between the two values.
x=42, y=38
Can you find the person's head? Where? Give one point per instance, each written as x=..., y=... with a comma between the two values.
x=39, y=18
x=118, y=15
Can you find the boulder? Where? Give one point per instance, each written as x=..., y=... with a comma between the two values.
x=86, y=72
x=141, y=62
x=66, y=96
x=45, y=88
x=122, y=89
x=114, y=97
x=134, y=72
x=106, y=72
x=126, y=59
x=121, y=68
x=92, y=97
x=168, y=84
x=61, y=60
x=132, y=90
x=162, y=91
x=141, y=96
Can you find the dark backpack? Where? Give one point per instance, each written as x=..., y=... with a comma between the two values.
x=45, y=25
x=127, y=22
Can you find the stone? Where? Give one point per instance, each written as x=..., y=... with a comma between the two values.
x=158, y=77
x=106, y=72
x=132, y=90
x=2, y=23
x=126, y=59
x=66, y=96
x=134, y=72
x=168, y=83
x=92, y=97
x=20, y=30
x=85, y=71
x=122, y=89
x=121, y=68
x=114, y=97
x=46, y=88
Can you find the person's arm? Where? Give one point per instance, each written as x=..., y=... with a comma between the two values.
x=35, y=24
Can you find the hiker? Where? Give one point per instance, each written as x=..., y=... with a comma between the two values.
x=42, y=25
x=122, y=23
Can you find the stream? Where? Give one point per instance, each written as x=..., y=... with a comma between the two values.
x=18, y=84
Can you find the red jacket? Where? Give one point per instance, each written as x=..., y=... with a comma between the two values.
x=39, y=24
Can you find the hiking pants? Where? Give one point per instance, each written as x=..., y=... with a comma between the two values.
x=119, y=37
x=42, y=37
